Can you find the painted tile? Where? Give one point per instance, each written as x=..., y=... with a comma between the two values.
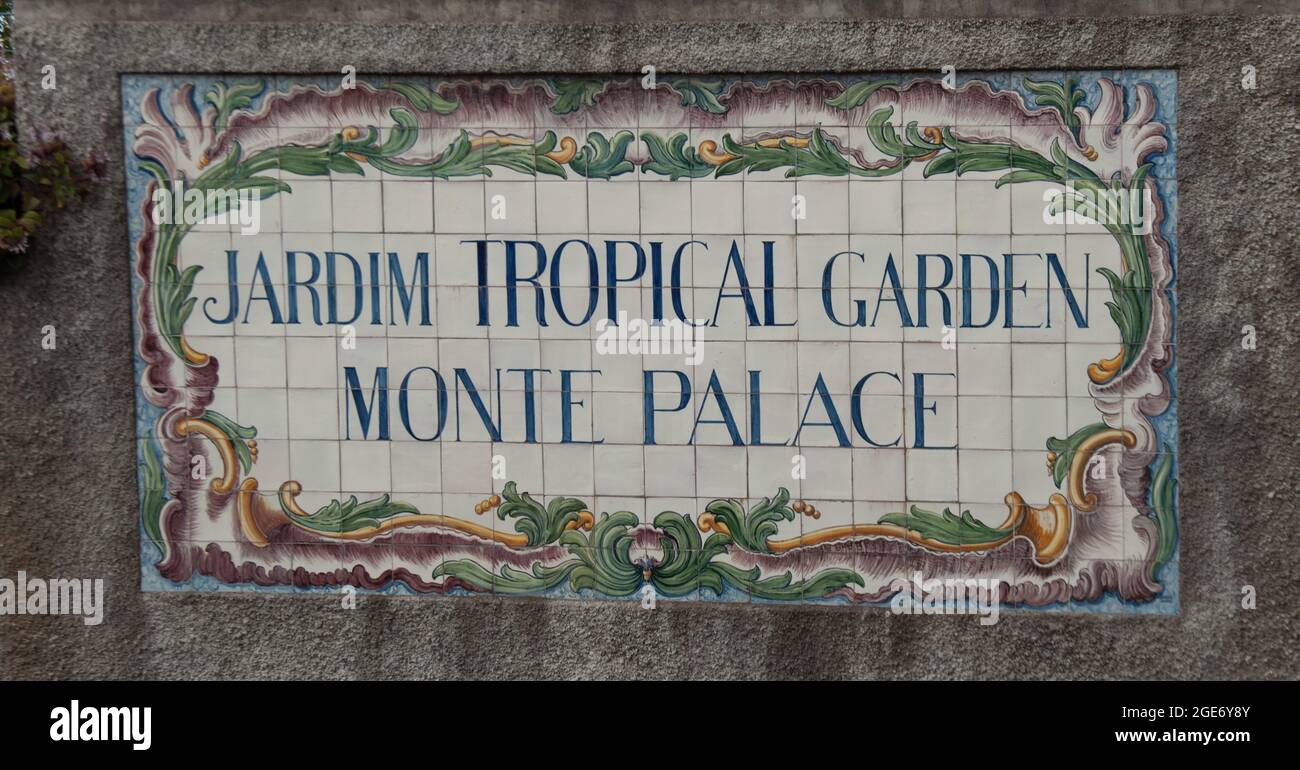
x=777, y=339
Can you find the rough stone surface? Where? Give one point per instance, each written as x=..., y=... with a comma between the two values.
x=68, y=489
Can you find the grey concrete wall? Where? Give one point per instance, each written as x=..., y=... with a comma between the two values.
x=68, y=495
x=623, y=11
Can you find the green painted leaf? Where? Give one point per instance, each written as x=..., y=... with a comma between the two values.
x=574, y=94
x=673, y=158
x=1016, y=177
x=466, y=571
x=402, y=135
x=820, y=158
x=459, y=159
x=304, y=161
x=601, y=158
x=944, y=163
x=423, y=98
x=946, y=527
x=185, y=283
x=1058, y=155
x=543, y=164
x=342, y=164
x=857, y=94
x=239, y=435
x=1164, y=494
x=751, y=530
x=351, y=515
x=514, y=581
x=1063, y=97
x=263, y=186
x=229, y=99
x=154, y=493
x=783, y=587
x=914, y=139
x=542, y=525
x=605, y=556
x=1130, y=308
x=1066, y=448
x=703, y=94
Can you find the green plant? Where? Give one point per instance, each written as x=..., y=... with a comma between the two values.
x=32, y=184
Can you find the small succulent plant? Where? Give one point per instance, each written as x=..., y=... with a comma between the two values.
x=35, y=183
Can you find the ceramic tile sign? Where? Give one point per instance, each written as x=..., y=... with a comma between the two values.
x=804, y=339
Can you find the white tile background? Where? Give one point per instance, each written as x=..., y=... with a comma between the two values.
x=1013, y=389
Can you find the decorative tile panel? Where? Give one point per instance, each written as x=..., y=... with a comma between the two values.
x=797, y=339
